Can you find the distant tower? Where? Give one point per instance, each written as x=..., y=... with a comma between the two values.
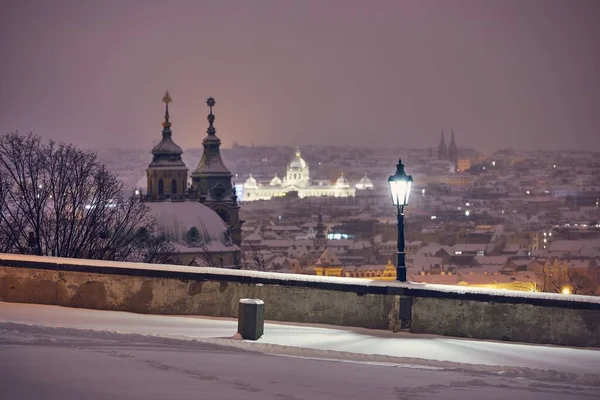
x=212, y=181
x=320, y=241
x=453, y=151
x=167, y=173
x=442, y=149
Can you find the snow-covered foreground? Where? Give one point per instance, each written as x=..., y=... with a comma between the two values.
x=61, y=353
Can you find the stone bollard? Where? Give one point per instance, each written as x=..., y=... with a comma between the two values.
x=251, y=319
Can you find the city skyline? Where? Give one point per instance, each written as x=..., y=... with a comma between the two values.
x=502, y=75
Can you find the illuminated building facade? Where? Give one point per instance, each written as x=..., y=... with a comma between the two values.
x=297, y=179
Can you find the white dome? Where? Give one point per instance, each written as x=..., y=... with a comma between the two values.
x=177, y=218
x=250, y=183
x=365, y=183
x=342, y=182
x=276, y=181
x=298, y=162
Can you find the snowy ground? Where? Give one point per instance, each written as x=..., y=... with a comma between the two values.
x=61, y=353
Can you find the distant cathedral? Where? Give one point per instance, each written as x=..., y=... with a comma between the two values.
x=167, y=176
x=448, y=152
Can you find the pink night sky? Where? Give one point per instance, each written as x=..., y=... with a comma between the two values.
x=510, y=73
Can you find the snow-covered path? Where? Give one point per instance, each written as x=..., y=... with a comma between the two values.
x=58, y=367
x=426, y=349
x=64, y=353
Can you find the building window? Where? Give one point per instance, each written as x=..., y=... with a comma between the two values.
x=173, y=186
x=161, y=187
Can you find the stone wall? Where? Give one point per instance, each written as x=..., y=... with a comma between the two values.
x=527, y=317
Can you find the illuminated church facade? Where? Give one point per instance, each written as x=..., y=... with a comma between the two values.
x=297, y=179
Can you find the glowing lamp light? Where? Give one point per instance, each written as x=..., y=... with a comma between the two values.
x=400, y=185
x=467, y=213
x=566, y=290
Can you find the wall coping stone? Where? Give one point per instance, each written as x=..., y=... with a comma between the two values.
x=359, y=286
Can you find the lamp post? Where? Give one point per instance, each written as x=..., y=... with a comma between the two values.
x=400, y=185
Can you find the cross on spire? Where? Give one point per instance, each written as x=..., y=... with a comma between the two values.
x=211, y=117
x=167, y=99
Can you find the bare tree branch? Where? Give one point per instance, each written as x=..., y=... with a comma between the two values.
x=58, y=200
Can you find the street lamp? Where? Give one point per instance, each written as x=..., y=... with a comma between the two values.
x=400, y=185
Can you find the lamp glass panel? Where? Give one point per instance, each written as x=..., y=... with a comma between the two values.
x=399, y=192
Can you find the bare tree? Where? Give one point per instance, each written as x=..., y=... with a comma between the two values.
x=58, y=200
x=253, y=259
x=206, y=256
x=579, y=283
x=573, y=281
x=154, y=249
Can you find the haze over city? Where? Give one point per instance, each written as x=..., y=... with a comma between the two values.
x=504, y=74
x=299, y=199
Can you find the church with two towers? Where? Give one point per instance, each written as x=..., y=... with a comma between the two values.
x=167, y=188
x=448, y=152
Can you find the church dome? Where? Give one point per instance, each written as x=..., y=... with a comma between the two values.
x=365, y=183
x=251, y=182
x=342, y=182
x=177, y=218
x=276, y=181
x=167, y=147
x=297, y=162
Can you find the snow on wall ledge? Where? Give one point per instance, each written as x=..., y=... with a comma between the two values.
x=420, y=308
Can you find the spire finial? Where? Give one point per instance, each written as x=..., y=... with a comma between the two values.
x=167, y=99
x=211, y=118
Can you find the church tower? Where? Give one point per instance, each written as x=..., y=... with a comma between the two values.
x=442, y=149
x=167, y=173
x=453, y=151
x=211, y=181
x=320, y=241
